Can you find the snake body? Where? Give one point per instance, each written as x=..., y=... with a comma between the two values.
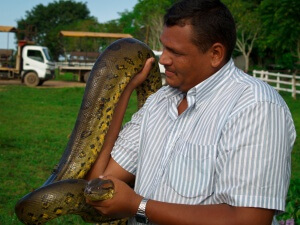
x=62, y=193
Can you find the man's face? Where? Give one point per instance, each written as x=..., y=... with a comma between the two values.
x=186, y=66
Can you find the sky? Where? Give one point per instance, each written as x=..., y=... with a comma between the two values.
x=13, y=10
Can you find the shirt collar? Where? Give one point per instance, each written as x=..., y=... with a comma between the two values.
x=209, y=86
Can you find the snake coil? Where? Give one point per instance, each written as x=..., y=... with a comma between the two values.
x=62, y=193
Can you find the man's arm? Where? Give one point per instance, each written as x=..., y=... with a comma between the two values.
x=125, y=204
x=112, y=134
x=115, y=170
x=165, y=213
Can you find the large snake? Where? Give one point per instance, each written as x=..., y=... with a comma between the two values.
x=63, y=192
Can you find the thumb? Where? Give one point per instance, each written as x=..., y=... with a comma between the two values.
x=107, y=177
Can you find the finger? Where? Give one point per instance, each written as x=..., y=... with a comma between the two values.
x=103, y=177
x=148, y=65
x=142, y=75
x=101, y=203
x=108, y=177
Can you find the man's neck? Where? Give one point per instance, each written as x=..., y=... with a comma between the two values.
x=182, y=106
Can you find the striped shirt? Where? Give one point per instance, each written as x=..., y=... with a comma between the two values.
x=231, y=145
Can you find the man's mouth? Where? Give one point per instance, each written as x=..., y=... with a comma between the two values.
x=169, y=73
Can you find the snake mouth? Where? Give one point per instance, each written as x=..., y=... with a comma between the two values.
x=99, y=189
x=87, y=191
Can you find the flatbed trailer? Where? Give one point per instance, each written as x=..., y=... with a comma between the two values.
x=82, y=69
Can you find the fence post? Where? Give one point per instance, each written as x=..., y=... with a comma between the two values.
x=294, y=86
x=263, y=75
x=254, y=73
x=278, y=82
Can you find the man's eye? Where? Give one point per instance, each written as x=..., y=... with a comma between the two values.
x=177, y=53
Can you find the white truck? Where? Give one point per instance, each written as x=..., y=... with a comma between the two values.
x=32, y=64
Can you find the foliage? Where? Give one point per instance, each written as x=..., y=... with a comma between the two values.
x=247, y=24
x=281, y=31
x=268, y=31
x=145, y=22
x=293, y=203
x=71, y=44
x=43, y=23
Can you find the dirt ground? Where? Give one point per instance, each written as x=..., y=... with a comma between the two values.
x=46, y=84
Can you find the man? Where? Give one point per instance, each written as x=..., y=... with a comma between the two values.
x=212, y=147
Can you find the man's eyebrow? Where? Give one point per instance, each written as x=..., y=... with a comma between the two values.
x=168, y=48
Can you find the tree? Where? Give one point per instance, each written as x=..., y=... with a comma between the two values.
x=247, y=24
x=281, y=30
x=45, y=22
x=145, y=22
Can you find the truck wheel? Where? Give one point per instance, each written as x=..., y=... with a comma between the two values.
x=86, y=76
x=31, y=79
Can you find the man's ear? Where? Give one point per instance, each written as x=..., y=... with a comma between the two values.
x=217, y=55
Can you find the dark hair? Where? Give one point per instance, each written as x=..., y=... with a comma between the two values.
x=211, y=20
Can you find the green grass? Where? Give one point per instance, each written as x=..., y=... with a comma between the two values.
x=66, y=76
x=34, y=128
x=35, y=124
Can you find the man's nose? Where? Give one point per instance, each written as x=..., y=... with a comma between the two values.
x=164, y=59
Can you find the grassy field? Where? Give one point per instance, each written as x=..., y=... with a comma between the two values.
x=35, y=124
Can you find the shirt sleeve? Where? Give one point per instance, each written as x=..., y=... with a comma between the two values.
x=254, y=162
x=125, y=150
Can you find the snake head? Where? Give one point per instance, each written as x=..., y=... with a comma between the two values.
x=99, y=189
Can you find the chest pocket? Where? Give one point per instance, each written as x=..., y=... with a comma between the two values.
x=191, y=172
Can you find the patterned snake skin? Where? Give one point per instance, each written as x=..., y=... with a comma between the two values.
x=63, y=192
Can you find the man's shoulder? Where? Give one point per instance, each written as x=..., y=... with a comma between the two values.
x=259, y=90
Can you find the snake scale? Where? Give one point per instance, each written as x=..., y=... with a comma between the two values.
x=63, y=192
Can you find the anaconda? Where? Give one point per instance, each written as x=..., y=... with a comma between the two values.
x=62, y=193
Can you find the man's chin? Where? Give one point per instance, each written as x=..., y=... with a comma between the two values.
x=171, y=84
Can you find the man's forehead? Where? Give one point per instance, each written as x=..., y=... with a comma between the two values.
x=173, y=34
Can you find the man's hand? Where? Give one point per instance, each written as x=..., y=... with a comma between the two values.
x=141, y=76
x=124, y=203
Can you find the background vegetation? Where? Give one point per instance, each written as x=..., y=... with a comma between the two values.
x=35, y=125
x=268, y=30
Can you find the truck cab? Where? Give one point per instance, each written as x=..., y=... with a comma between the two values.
x=37, y=65
x=31, y=63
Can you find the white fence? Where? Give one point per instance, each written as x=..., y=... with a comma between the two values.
x=281, y=82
